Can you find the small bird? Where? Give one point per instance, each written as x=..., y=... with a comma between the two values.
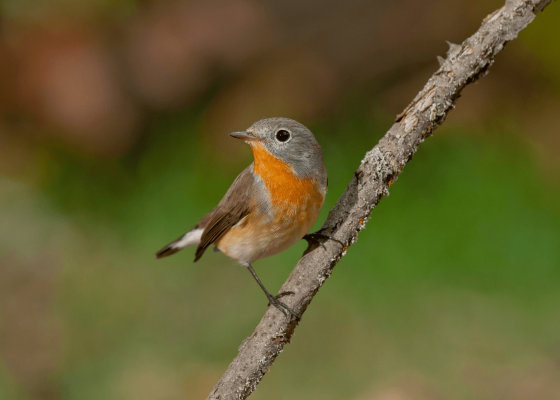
x=271, y=205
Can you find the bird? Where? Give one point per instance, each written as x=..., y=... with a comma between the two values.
x=272, y=203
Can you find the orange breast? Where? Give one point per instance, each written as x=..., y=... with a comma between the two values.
x=288, y=193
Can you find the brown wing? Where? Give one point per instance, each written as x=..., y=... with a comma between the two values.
x=233, y=207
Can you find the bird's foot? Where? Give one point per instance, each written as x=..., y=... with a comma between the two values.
x=285, y=293
x=320, y=238
x=281, y=306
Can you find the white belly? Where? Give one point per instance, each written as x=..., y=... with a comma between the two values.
x=255, y=237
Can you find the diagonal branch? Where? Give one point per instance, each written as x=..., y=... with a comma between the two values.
x=379, y=169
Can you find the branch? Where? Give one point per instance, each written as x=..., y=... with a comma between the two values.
x=379, y=169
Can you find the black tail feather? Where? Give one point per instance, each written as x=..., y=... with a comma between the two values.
x=167, y=251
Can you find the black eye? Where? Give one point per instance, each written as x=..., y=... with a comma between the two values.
x=282, y=135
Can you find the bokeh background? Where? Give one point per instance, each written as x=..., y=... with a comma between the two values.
x=114, y=118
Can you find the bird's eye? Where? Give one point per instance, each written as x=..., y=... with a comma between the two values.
x=282, y=135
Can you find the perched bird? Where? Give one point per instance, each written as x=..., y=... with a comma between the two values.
x=271, y=205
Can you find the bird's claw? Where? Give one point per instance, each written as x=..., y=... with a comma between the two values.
x=316, y=237
x=285, y=293
x=284, y=309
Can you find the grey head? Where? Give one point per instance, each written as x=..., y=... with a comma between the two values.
x=289, y=141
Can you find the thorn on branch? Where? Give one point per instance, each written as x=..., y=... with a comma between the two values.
x=358, y=173
x=453, y=48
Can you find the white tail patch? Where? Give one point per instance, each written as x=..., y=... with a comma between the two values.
x=191, y=238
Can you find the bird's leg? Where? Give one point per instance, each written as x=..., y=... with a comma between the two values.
x=273, y=299
x=320, y=238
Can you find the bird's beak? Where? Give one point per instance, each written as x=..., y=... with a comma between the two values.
x=246, y=136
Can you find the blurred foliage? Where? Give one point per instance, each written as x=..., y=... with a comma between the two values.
x=450, y=292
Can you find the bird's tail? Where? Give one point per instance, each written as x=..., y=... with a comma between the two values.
x=191, y=238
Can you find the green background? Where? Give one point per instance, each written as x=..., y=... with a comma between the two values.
x=451, y=291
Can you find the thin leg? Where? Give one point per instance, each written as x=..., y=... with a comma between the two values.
x=273, y=299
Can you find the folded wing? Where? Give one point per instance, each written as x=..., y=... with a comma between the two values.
x=233, y=208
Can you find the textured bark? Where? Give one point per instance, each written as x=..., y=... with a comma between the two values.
x=379, y=169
